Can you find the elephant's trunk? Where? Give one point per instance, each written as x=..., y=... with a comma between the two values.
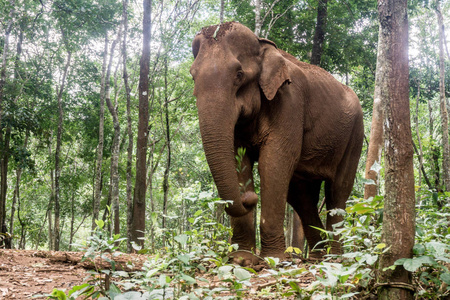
x=217, y=130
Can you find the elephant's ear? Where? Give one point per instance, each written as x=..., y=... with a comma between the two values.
x=274, y=71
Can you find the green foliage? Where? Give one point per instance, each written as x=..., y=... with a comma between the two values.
x=193, y=239
x=431, y=260
x=185, y=268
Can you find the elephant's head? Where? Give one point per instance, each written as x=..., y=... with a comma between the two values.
x=234, y=72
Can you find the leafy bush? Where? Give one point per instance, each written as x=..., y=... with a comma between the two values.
x=195, y=258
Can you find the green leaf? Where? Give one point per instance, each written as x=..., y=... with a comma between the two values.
x=376, y=167
x=359, y=208
x=381, y=246
x=185, y=258
x=130, y=296
x=135, y=246
x=295, y=286
x=293, y=249
x=100, y=223
x=182, y=239
x=78, y=289
x=242, y=274
x=412, y=264
x=60, y=295
x=445, y=277
x=188, y=279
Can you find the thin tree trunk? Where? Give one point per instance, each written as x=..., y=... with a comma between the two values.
x=72, y=219
x=151, y=167
x=16, y=196
x=138, y=226
x=222, y=9
x=422, y=169
x=129, y=127
x=38, y=240
x=57, y=154
x=51, y=199
x=51, y=237
x=166, y=171
x=99, y=161
x=114, y=182
x=319, y=34
x=3, y=152
x=433, y=149
x=376, y=130
x=443, y=103
x=419, y=151
x=397, y=232
x=258, y=21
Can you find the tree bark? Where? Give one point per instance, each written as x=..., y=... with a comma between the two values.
x=50, y=200
x=166, y=171
x=4, y=171
x=319, y=34
x=99, y=161
x=434, y=150
x=258, y=21
x=399, y=207
x=57, y=153
x=222, y=9
x=129, y=126
x=114, y=181
x=72, y=217
x=138, y=226
x=443, y=103
x=376, y=130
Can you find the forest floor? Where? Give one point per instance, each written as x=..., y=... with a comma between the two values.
x=33, y=274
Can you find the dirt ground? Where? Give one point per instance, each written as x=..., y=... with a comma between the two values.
x=26, y=273
x=29, y=274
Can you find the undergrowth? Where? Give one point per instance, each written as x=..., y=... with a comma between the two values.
x=196, y=265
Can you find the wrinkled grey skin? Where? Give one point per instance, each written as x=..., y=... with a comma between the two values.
x=300, y=124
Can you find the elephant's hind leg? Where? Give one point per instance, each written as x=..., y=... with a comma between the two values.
x=338, y=190
x=303, y=197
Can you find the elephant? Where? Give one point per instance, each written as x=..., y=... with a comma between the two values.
x=299, y=123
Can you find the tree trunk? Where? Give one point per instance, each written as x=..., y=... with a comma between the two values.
x=434, y=150
x=16, y=196
x=376, y=130
x=114, y=182
x=319, y=34
x=57, y=155
x=3, y=152
x=419, y=151
x=166, y=171
x=222, y=9
x=72, y=219
x=258, y=21
x=399, y=207
x=444, y=113
x=99, y=161
x=129, y=127
x=138, y=226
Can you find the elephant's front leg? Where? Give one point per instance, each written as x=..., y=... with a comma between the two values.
x=243, y=227
x=275, y=172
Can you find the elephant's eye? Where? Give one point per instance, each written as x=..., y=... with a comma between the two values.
x=239, y=75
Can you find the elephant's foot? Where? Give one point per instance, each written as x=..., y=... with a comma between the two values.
x=283, y=256
x=247, y=259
